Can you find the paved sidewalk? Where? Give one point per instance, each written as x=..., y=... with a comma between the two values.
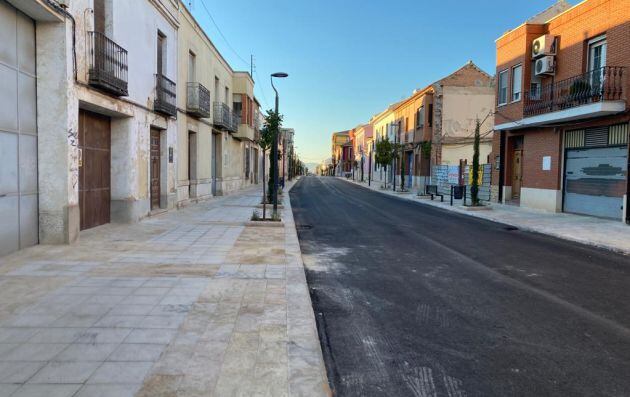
x=189, y=303
x=604, y=233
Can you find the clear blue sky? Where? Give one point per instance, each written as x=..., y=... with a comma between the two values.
x=349, y=59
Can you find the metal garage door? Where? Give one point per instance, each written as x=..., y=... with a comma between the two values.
x=18, y=132
x=595, y=181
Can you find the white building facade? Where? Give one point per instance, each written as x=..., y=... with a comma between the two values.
x=88, y=118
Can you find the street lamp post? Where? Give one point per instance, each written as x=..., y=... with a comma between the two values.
x=395, y=157
x=275, y=147
x=370, y=165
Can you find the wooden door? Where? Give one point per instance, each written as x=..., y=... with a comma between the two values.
x=94, y=169
x=155, y=169
x=517, y=173
x=216, y=140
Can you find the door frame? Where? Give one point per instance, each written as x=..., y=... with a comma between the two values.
x=192, y=163
x=520, y=185
x=215, y=160
x=82, y=153
x=155, y=132
x=410, y=173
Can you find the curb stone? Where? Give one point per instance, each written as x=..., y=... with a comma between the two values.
x=301, y=384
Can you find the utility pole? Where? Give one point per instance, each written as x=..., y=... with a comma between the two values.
x=394, y=127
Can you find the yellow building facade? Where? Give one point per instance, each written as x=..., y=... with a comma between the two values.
x=216, y=120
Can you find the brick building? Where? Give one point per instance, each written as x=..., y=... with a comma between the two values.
x=436, y=124
x=561, y=119
x=340, y=141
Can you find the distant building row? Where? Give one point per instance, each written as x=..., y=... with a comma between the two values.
x=556, y=118
x=435, y=126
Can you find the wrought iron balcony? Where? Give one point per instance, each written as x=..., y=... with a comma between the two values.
x=221, y=116
x=257, y=123
x=107, y=64
x=198, y=100
x=603, y=84
x=236, y=121
x=165, y=96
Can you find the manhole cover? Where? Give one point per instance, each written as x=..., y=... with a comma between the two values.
x=510, y=228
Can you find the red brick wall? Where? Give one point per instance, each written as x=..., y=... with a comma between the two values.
x=496, y=150
x=574, y=28
x=513, y=49
x=591, y=19
x=537, y=144
x=467, y=76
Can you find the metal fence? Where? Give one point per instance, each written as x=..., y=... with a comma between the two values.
x=486, y=180
x=445, y=176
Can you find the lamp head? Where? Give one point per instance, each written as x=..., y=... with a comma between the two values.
x=280, y=75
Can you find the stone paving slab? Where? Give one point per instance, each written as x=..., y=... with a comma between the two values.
x=188, y=303
x=604, y=233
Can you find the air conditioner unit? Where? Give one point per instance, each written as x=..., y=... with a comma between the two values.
x=544, y=45
x=545, y=66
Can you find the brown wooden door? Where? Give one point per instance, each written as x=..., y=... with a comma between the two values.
x=155, y=169
x=94, y=169
x=517, y=173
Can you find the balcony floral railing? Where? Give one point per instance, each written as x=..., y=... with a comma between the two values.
x=107, y=64
x=221, y=115
x=603, y=84
x=236, y=121
x=198, y=100
x=165, y=96
x=257, y=123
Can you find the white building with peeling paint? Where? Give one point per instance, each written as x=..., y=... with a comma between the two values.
x=90, y=95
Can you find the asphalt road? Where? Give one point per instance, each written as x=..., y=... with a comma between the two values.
x=413, y=300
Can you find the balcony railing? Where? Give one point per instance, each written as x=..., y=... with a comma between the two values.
x=165, y=96
x=107, y=64
x=603, y=84
x=198, y=100
x=236, y=121
x=257, y=123
x=221, y=116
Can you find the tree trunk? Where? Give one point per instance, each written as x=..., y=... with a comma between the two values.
x=474, y=187
x=402, y=172
x=264, y=193
x=271, y=178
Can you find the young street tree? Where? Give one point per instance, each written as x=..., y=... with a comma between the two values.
x=384, y=154
x=272, y=124
x=402, y=169
x=474, y=186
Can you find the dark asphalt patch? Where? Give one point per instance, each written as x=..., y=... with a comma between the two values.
x=412, y=300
